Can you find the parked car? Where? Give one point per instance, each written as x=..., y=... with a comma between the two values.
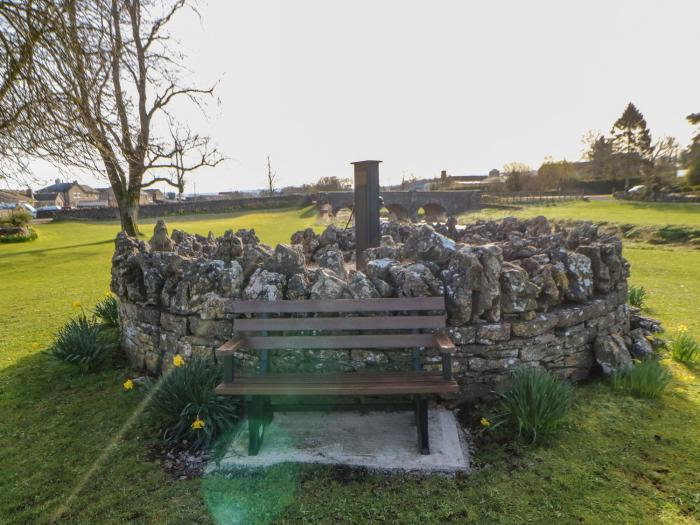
x=13, y=206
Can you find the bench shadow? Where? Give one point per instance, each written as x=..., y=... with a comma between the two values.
x=57, y=248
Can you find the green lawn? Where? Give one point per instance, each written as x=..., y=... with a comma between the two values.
x=614, y=211
x=78, y=445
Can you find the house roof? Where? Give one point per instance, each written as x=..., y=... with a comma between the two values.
x=13, y=196
x=61, y=187
x=47, y=196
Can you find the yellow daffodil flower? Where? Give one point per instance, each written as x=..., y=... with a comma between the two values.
x=682, y=328
x=485, y=422
x=198, y=424
x=128, y=384
x=76, y=304
x=35, y=346
x=178, y=360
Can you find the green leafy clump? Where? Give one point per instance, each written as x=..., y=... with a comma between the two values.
x=83, y=341
x=18, y=217
x=647, y=378
x=637, y=296
x=534, y=404
x=189, y=411
x=107, y=312
x=684, y=347
x=19, y=237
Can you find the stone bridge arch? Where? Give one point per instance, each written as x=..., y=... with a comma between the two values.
x=407, y=203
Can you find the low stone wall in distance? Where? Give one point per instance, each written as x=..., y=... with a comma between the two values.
x=518, y=293
x=183, y=208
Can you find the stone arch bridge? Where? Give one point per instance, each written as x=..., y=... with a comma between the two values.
x=406, y=204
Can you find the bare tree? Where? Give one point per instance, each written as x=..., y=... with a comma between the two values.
x=271, y=178
x=22, y=25
x=100, y=88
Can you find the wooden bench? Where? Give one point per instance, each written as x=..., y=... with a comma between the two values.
x=342, y=324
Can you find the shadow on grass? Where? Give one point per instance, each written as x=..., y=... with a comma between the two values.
x=57, y=248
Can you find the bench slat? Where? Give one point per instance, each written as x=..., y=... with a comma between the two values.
x=398, y=386
x=340, y=323
x=339, y=305
x=342, y=378
x=331, y=342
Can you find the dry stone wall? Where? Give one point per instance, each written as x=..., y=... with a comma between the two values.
x=518, y=293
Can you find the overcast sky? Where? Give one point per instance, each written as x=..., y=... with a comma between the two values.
x=459, y=85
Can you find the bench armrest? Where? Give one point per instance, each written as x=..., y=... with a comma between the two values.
x=231, y=346
x=444, y=344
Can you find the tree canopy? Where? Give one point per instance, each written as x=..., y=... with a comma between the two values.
x=98, y=93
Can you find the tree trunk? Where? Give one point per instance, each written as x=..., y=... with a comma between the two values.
x=129, y=214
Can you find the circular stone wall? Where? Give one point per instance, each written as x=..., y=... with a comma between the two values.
x=518, y=293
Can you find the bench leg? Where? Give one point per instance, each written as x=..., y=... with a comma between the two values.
x=422, y=424
x=258, y=412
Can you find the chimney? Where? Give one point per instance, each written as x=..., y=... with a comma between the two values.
x=366, y=208
x=58, y=181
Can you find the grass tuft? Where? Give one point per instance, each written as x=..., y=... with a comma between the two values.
x=534, y=404
x=636, y=296
x=107, y=312
x=684, y=347
x=647, y=378
x=189, y=411
x=82, y=341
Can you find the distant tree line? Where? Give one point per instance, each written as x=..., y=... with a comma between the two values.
x=628, y=153
x=328, y=183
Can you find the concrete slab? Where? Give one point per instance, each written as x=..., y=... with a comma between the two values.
x=383, y=441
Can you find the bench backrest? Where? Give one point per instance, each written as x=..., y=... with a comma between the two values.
x=392, y=323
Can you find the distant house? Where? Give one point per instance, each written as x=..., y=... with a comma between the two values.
x=467, y=178
x=44, y=200
x=156, y=195
x=72, y=193
x=106, y=196
x=16, y=197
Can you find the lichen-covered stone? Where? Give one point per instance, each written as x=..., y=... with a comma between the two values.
x=425, y=244
x=487, y=296
x=542, y=323
x=415, y=280
x=611, y=353
x=287, y=260
x=265, y=286
x=298, y=287
x=229, y=247
x=332, y=258
x=640, y=347
x=461, y=278
x=492, y=333
x=161, y=242
x=518, y=293
x=580, y=274
x=379, y=268
x=361, y=287
x=231, y=280
x=328, y=286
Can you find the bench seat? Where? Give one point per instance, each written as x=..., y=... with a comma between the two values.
x=350, y=384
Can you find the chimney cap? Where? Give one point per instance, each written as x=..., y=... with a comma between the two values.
x=366, y=162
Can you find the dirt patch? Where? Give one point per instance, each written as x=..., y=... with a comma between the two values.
x=178, y=461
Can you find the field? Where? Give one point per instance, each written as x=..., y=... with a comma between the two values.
x=75, y=447
x=612, y=211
